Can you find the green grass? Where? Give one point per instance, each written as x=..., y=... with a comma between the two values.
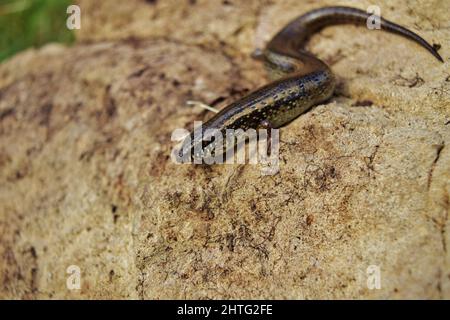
x=32, y=23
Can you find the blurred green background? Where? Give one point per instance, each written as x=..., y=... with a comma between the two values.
x=32, y=23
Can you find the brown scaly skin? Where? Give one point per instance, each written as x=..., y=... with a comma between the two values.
x=302, y=80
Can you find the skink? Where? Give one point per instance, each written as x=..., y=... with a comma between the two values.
x=301, y=80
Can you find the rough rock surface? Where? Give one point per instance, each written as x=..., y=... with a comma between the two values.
x=86, y=179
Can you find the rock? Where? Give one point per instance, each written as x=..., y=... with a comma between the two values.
x=87, y=179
